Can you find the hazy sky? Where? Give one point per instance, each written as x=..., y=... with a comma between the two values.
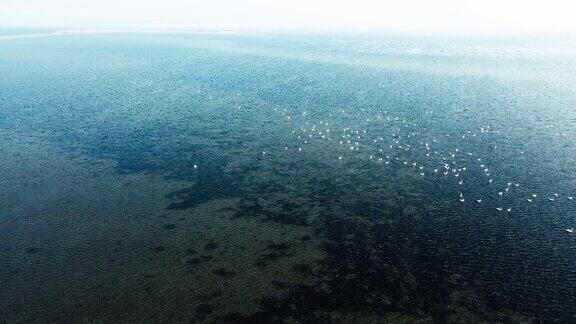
x=445, y=16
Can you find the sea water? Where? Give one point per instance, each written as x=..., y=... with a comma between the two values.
x=276, y=177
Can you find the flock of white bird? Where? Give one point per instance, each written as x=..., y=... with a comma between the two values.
x=387, y=139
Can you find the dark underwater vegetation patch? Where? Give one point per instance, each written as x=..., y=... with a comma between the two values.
x=302, y=268
x=211, y=246
x=193, y=261
x=252, y=208
x=278, y=246
x=224, y=273
x=280, y=284
x=210, y=184
x=203, y=310
x=205, y=257
x=158, y=248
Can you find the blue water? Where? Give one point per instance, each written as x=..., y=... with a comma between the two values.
x=276, y=177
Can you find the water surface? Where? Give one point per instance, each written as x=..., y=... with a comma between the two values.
x=236, y=177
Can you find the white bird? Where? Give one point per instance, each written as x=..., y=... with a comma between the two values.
x=551, y=199
x=500, y=193
x=570, y=197
x=509, y=209
x=534, y=195
x=529, y=200
x=195, y=166
x=499, y=208
x=570, y=230
x=479, y=200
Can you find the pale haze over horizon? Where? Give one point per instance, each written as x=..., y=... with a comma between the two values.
x=413, y=16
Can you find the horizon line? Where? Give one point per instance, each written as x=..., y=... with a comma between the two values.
x=60, y=30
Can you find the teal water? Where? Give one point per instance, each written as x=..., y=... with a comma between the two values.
x=275, y=178
x=6, y=31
